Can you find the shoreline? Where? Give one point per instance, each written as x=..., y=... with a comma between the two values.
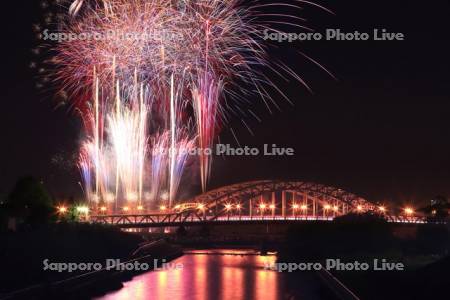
x=91, y=284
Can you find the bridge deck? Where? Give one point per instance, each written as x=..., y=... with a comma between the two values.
x=168, y=220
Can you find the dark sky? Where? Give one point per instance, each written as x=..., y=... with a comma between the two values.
x=382, y=130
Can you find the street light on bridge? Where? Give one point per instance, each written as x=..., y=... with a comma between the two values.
x=326, y=208
x=382, y=209
x=62, y=210
x=304, y=208
x=262, y=207
x=238, y=208
x=272, y=207
x=409, y=211
x=228, y=208
x=295, y=207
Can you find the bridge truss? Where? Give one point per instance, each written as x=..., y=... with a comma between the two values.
x=255, y=201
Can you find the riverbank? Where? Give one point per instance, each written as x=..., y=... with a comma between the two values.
x=26, y=272
x=415, y=283
x=404, y=261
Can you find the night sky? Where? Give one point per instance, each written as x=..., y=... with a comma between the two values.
x=382, y=130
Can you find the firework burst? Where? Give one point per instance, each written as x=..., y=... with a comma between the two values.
x=148, y=78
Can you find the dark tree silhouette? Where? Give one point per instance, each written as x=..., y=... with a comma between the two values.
x=438, y=209
x=30, y=201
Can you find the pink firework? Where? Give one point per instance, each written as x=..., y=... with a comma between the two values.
x=137, y=69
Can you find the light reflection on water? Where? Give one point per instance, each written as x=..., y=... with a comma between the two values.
x=207, y=276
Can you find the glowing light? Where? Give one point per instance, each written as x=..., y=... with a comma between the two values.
x=62, y=209
x=295, y=206
x=126, y=208
x=335, y=208
x=83, y=209
x=228, y=206
x=359, y=208
x=382, y=208
x=178, y=206
x=326, y=206
x=162, y=207
x=272, y=206
x=140, y=207
x=262, y=206
x=238, y=206
x=103, y=208
x=201, y=206
x=409, y=210
x=304, y=207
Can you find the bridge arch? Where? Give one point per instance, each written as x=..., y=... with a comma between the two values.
x=283, y=197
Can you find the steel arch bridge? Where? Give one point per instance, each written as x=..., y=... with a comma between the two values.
x=306, y=191
x=249, y=202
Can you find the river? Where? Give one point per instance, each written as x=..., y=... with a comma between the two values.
x=218, y=274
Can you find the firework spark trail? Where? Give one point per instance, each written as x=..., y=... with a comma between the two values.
x=181, y=153
x=159, y=163
x=120, y=146
x=85, y=167
x=97, y=137
x=143, y=115
x=128, y=135
x=182, y=141
x=75, y=7
x=205, y=106
x=173, y=138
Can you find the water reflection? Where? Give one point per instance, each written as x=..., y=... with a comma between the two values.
x=205, y=276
